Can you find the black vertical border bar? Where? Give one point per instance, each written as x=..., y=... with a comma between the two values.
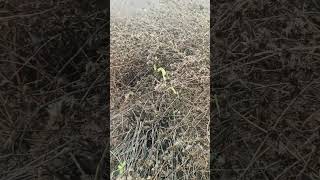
x=215, y=112
x=211, y=90
x=108, y=132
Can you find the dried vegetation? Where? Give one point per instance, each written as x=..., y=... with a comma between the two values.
x=157, y=133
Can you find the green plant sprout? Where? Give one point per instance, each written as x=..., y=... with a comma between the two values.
x=163, y=72
x=173, y=90
x=121, y=167
x=165, y=77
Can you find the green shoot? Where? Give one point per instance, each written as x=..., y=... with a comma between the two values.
x=121, y=167
x=163, y=72
x=173, y=90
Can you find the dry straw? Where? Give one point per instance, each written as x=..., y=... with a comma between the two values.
x=159, y=134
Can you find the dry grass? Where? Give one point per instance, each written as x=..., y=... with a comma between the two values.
x=157, y=133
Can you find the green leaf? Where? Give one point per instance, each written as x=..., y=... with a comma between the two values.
x=173, y=90
x=163, y=72
x=121, y=167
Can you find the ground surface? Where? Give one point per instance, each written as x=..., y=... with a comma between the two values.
x=265, y=75
x=52, y=90
x=157, y=133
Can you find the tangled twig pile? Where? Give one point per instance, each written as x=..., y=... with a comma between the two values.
x=156, y=132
